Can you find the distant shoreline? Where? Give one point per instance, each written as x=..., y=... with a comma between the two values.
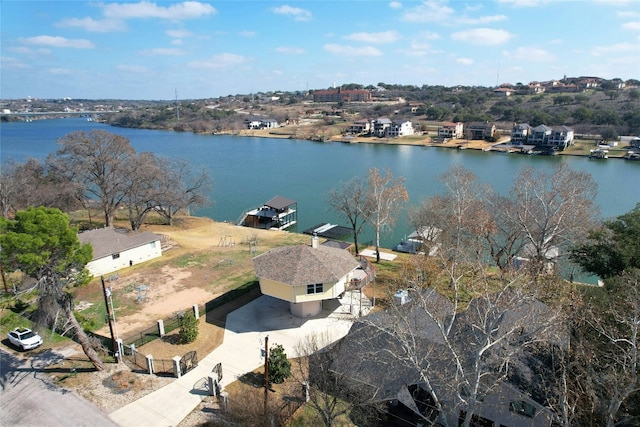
x=461, y=144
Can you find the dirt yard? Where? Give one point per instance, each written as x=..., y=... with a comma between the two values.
x=202, y=260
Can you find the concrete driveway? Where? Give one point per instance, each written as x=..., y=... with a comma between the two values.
x=29, y=398
x=239, y=353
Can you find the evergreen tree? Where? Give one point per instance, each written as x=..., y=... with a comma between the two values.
x=279, y=365
x=188, y=327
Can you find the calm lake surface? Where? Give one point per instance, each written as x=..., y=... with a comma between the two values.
x=249, y=171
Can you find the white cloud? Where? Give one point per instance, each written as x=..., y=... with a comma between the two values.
x=145, y=9
x=178, y=34
x=92, y=25
x=395, y=5
x=633, y=26
x=296, y=12
x=177, y=42
x=483, y=36
x=134, y=69
x=223, y=60
x=382, y=37
x=428, y=35
x=627, y=14
x=62, y=71
x=429, y=11
x=24, y=50
x=464, y=61
x=247, y=33
x=531, y=54
x=57, y=41
x=524, y=3
x=162, y=51
x=481, y=20
x=617, y=48
x=346, y=50
x=290, y=50
x=7, y=62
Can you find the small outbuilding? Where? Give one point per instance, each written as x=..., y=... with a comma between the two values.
x=114, y=250
x=305, y=275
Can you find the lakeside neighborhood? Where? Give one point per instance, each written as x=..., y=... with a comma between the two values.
x=435, y=349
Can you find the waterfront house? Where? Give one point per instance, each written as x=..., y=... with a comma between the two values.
x=397, y=129
x=114, y=250
x=560, y=138
x=480, y=130
x=540, y=135
x=359, y=127
x=520, y=133
x=261, y=123
x=305, y=275
x=380, y=126
x=451, y=130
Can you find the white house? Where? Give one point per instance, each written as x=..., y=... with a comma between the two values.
x=400, y=129
x=305, y=275
x=451, y=130
x=114, y=250
x=380, y=126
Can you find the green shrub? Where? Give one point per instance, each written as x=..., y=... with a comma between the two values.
x=188, y=327
x=279, y=365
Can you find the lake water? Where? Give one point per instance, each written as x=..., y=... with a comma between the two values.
x=249, y=171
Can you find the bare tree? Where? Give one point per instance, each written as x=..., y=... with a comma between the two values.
x=457, y=358
x=385, y=196
x=142, y=187
x=554, y=209
x=179, y=189
x=503, y=235
x=614, y=374
x=99, y=161
x=33, y=184
x=349, y=201
x=328, y=391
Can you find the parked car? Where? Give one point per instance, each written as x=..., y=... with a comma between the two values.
x=24, y=338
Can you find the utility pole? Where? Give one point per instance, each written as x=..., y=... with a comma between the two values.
x=106, y=294
x=266, y=372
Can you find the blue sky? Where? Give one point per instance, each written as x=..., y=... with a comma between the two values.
x=201, y=49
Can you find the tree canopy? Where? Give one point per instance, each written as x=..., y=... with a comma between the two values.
x=41, y=243
x=612, y=248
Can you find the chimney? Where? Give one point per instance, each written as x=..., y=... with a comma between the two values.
x=314, y=241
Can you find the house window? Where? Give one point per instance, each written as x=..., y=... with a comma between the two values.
x=315, y=288
x=523, y=408
x=152, y=244
x=115, y=256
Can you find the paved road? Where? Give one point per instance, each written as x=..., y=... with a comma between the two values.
x=29, y=398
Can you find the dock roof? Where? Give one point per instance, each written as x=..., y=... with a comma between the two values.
x=280, y=202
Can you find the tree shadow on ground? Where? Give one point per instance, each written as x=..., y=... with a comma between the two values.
x=253, y=379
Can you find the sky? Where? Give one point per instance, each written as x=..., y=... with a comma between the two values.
x=162, y=50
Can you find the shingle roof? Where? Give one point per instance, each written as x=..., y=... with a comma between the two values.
x=107, y=241
x=302, y=264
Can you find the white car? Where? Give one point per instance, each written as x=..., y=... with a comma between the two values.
x=24, y=338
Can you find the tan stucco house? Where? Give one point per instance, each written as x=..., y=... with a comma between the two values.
x=114, y=250
x=305, y=275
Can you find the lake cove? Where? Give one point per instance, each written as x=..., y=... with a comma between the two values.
x=248, y=171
